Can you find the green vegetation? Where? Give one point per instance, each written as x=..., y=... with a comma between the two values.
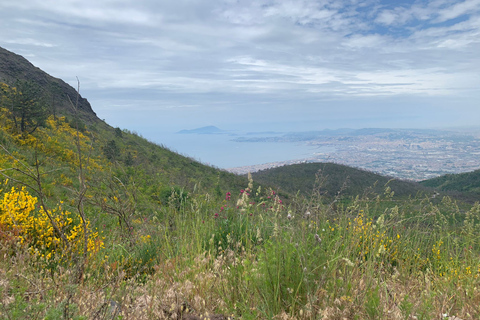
x=26, y=108
x=463, y=182
x=335, y=180
x=98, y=223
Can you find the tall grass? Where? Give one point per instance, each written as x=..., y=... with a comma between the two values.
x=251, y=256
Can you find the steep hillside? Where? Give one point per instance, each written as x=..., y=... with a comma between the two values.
x=333, y=178
x=462, y=182
x=109, y=155
x=108, y=151
x=56, y=93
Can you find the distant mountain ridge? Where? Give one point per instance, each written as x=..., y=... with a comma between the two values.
x=57, y=92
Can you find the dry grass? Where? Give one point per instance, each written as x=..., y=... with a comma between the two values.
x=263, y=260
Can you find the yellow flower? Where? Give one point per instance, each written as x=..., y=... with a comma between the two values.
x=17, y=215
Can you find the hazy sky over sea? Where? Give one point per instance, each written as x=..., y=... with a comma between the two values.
x=155, y=66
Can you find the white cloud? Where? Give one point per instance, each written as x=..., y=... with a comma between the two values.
x=387, y=17
x=431, y=12
x=250, y=53
x=362, y=41
x=30, y=42
x=459, y=9
x=86, y=10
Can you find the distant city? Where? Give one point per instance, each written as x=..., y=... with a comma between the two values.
x=401, y=153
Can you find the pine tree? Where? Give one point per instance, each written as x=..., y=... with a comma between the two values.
x=26, y=105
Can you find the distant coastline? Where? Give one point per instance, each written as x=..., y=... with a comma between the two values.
x=412, y=154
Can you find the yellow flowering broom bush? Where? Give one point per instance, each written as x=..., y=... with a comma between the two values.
x=21, y=222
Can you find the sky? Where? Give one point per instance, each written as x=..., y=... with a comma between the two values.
x=155, y=66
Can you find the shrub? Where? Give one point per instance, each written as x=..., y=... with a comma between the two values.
x=22, y=223
x=173, y=196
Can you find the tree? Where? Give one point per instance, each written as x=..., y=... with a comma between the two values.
x=118, y=132
x=25, y=102
x=54, y=91
x=111, y=150
x=129, y=159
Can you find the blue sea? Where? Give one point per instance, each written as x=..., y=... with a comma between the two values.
x=220, y=151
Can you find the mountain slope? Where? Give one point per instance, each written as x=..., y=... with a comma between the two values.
x=335, y=178
x=56, y=92
x=462, y=182
x=110, y=151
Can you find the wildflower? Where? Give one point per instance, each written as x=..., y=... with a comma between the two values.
x=216, y=215
x=289, y=216
x=317, y=237
x=348, y=262
x=228, y=196
x=307, y=214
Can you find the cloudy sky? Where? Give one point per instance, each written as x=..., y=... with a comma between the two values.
x=158, y=65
